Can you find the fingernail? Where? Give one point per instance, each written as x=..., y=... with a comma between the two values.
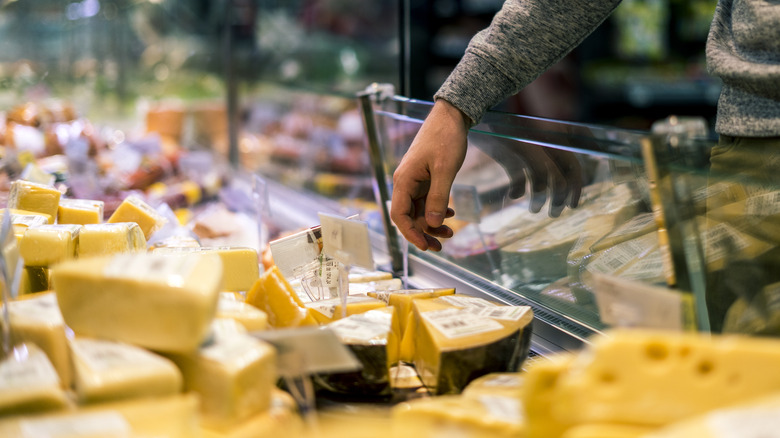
x=434, y=219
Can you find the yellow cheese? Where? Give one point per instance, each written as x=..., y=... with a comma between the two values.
x=159, y=302
x=496, y=384
x=26, y=195
x=280, y=420
x=29, y=382
x=34, y=279
x=364, y=288
x=233, y=373
x=241, y=267
x=454, y=345
x=252, y=318
x=36, y=319
x=401, y=301
x=49, y=244
x=605, y=430
x=327, y=311
x=108, y=370
x=25, y=219
x=176, y=242
x=452, y=415
x=169, y=417
x=654, y=378
x=358, y=275
x=80, y=211
x=272, y=294
x=133, y=209
x=540, y=384
x=105, y=239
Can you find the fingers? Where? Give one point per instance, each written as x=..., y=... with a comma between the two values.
x=438, y=198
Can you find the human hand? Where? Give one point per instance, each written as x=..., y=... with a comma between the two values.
x=423, y=179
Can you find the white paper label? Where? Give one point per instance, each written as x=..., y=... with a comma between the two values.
x=505, y=408
x=456, y=323
x=110, y=424
x=722, y=240
x=103, y=356
x=508, y=313
x=767, y=204
x=746, y=423
x=622, y=254
x=347, y=241
x=234, y=349
x=363, y=327
x=169, y=269
x=43, y=309
x=462, y=301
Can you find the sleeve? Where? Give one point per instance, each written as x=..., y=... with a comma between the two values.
x=524, y=39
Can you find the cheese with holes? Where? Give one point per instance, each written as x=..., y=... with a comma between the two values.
x=170, y=417
x=280, y=420
x=326, y=311
x=233, y=373
x=108, y=370
x=250, y=317
x=371, y=337
x=241, y=267
x=29, y=382
x=656, y=377
x=272, y=294
x=538, y=394
x=453, y=344
x=36, y=319
x=134, y=209
x=105, y=239
x=80, y=211
x=452, y=415
x=49, y=244
x=158, y=302
x=30, y=196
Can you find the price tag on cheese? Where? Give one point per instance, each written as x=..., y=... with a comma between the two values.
x=456, y=323
x=346, y=240
x=509, y=313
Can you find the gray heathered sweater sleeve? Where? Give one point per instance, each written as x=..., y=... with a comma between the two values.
x=524, y=39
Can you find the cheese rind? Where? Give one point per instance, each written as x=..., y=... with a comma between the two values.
x=105, y=239
x=80, y=211
x=163, y=303
x=49, y=244
x=30, y=196
x=134, y=209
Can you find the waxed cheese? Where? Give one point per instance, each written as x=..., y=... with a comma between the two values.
x=30, y=196
x=159, y=302
x=105, y=239
x=49, y=244
x=134, y=209
x=80, y=211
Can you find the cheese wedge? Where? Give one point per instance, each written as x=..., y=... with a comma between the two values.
x=539, y=395
x=401, y=301
x=454, y=345
x=36, y=319
x=452, y=415
x=158, y=302
x=653, y=378
x=327, y=311
x=80, y=211
x=233, y=373
x=496, y=384
x=169, y=417
x=29, y=382
x=280, y=420
x=252, y=318
x=272, y=294
x=241, y=267
x=133, y=209
x=108, y=370
x=371, y=338
x=49, y=244
x=105, y=239
x=30, y=196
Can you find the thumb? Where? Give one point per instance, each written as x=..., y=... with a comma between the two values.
x=437, y=201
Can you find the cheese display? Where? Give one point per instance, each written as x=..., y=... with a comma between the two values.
x=108, y=370
x=401, y=301
x=539, y=395
x=29, y=382
x=134, y=209
x=371, y=337
x=281, y=419
x=159, y=302
x=80, y=211
x=170, y=417
x=241, y=266
x=326, y=311
x=272, y=294
x=454, y=345
x=250, y=317
x=46, y=245
x=30, y=196
x=36, y=319
x=105, y=239
x=233, y=374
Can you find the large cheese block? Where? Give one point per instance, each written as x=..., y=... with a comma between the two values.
x=36, y=319
x=233, y=373
x=105, y=239
x=453, y=415
x=29, y=382
x=326, y=311
x=169, y=417
x=654, y=378
x=539, y=395
x=108, y=370
x=159, y=302
x=30, y=196
x=401, y=301
x=241, y=267
x=280, y=420
x=249, y=316
x=272, y=294
x=134, y=209
x=49, y=244
x=454, y=345
x=80, y=211
x=371, y=337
